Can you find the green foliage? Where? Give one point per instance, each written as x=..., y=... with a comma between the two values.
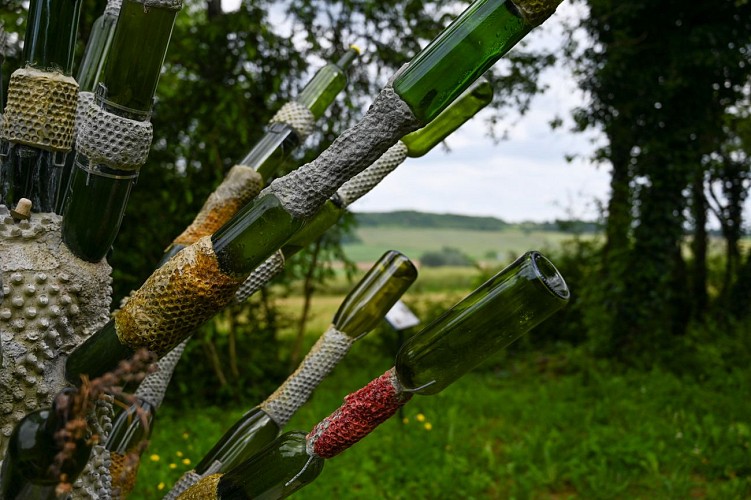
x=447, y=256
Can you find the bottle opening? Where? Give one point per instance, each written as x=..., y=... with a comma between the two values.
x=550, y=276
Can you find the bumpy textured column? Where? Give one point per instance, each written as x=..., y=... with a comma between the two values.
x=85, y=99
x=297, y=116
x=303, y=191
x=41, y=109
x=51, y=302
x=365, y=181
x=95, y=482
x=205, y=489
x=361, y=412
x=176, y=299
x=296, y=390
x=260, y=277
x=241, y=185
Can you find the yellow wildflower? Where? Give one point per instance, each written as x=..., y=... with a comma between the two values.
x=186, y=461
x=160, y=486
x=154, y=457
x=185, y=435
x=420, y=417
x=173, y=466
x=179, y=453
x=405, y=420
x=428, y=426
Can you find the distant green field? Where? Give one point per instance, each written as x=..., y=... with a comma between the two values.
x=479, y=245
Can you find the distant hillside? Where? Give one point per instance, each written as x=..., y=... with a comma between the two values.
x=409, y=218
x=413, y=219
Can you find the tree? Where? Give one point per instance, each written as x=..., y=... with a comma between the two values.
x=662, y=77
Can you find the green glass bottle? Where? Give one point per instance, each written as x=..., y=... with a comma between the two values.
x=480, y=36
x=131, y=428
x=475, y=98
x=490, y=318
x=282, y=138
x=51, y=31
x=94, y=203
x=27, y=470
x=36, y=141
x=376, y=293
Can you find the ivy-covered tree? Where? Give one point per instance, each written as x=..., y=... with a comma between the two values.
x=662, y=77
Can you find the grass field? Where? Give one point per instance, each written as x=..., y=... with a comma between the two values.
x=479, y=245
x=522, y=426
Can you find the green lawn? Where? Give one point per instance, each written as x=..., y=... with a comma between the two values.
x=522, y=426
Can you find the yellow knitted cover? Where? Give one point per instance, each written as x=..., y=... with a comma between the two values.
x=41, y=109
x=205, y=489
x=177, y=298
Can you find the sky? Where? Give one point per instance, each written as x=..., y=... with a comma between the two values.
x=523, y=178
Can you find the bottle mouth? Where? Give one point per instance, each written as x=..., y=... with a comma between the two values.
x=550, y=276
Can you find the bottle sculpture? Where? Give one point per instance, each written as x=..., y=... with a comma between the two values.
x=360, y=312
x=204, y=277
x=36, y=132
x=89, y=73
x=32, y=467
x=497, y=313
x=114, y=136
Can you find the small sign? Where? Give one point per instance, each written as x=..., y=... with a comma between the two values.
x=400, y=317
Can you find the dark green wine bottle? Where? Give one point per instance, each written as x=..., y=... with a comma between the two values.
x=131, y=429
x=480, y=36
x=490, y=318
x=40, y=113
x=29, y=470
x=377, y=292
x=418, y=143
x=99, y=187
